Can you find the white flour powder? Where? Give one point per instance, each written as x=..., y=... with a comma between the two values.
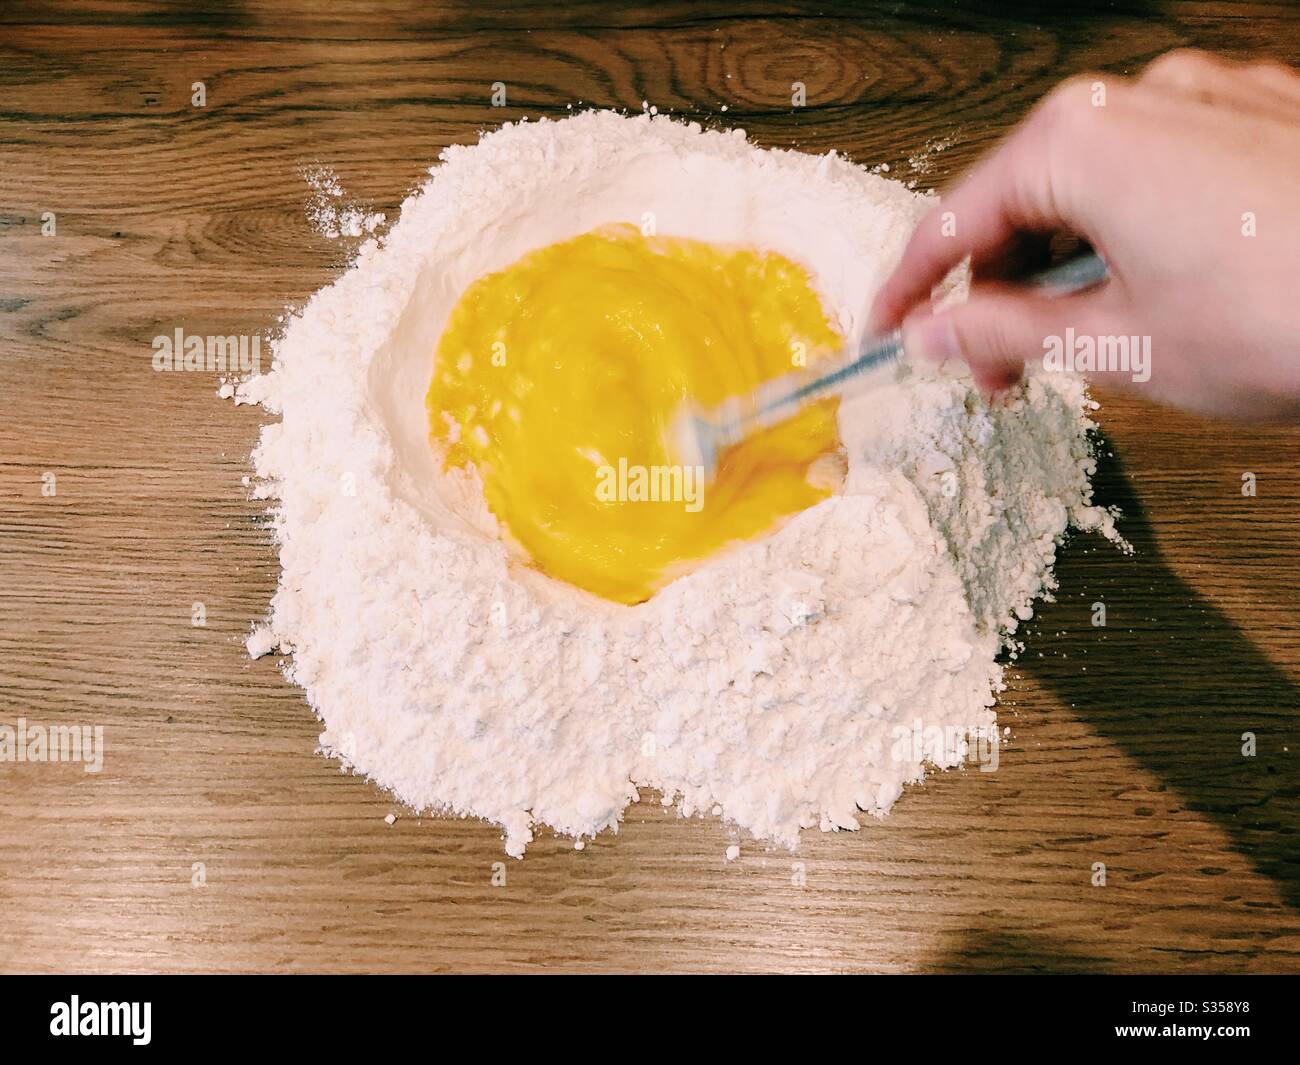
x=329, y=212
x=800, y=680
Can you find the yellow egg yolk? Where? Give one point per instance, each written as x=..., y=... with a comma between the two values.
x=558, y=378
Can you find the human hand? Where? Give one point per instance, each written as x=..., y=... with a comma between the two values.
x=1187, y=181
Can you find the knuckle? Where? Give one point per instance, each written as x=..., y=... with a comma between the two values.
x=1187, y=67
x=1075, y=120
x=1074, y=101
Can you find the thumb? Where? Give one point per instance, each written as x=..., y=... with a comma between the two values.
x=997, y=331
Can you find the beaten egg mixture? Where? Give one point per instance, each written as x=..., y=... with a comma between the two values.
x=557, y=378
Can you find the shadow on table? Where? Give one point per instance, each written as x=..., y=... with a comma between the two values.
x=989, y=950
x=1177, y=686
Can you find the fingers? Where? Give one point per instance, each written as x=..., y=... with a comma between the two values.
x=1029, y=185
x=1063, y=169
x=999, y=329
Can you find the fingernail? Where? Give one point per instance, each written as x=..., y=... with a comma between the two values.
x=931, y=338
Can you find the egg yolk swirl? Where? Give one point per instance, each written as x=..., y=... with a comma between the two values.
x=557, y=378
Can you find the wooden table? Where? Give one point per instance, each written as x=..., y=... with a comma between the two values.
x=216, y=839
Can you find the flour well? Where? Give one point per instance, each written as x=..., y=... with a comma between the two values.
x=799, y=680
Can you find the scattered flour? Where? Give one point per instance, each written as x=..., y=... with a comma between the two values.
x=329, y=212
x=782, y=685
x=261, y=641
x=923, y=161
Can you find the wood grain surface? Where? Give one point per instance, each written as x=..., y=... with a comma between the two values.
x=1126, y=740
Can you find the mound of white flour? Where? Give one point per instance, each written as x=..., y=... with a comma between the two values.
x=781, y=682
